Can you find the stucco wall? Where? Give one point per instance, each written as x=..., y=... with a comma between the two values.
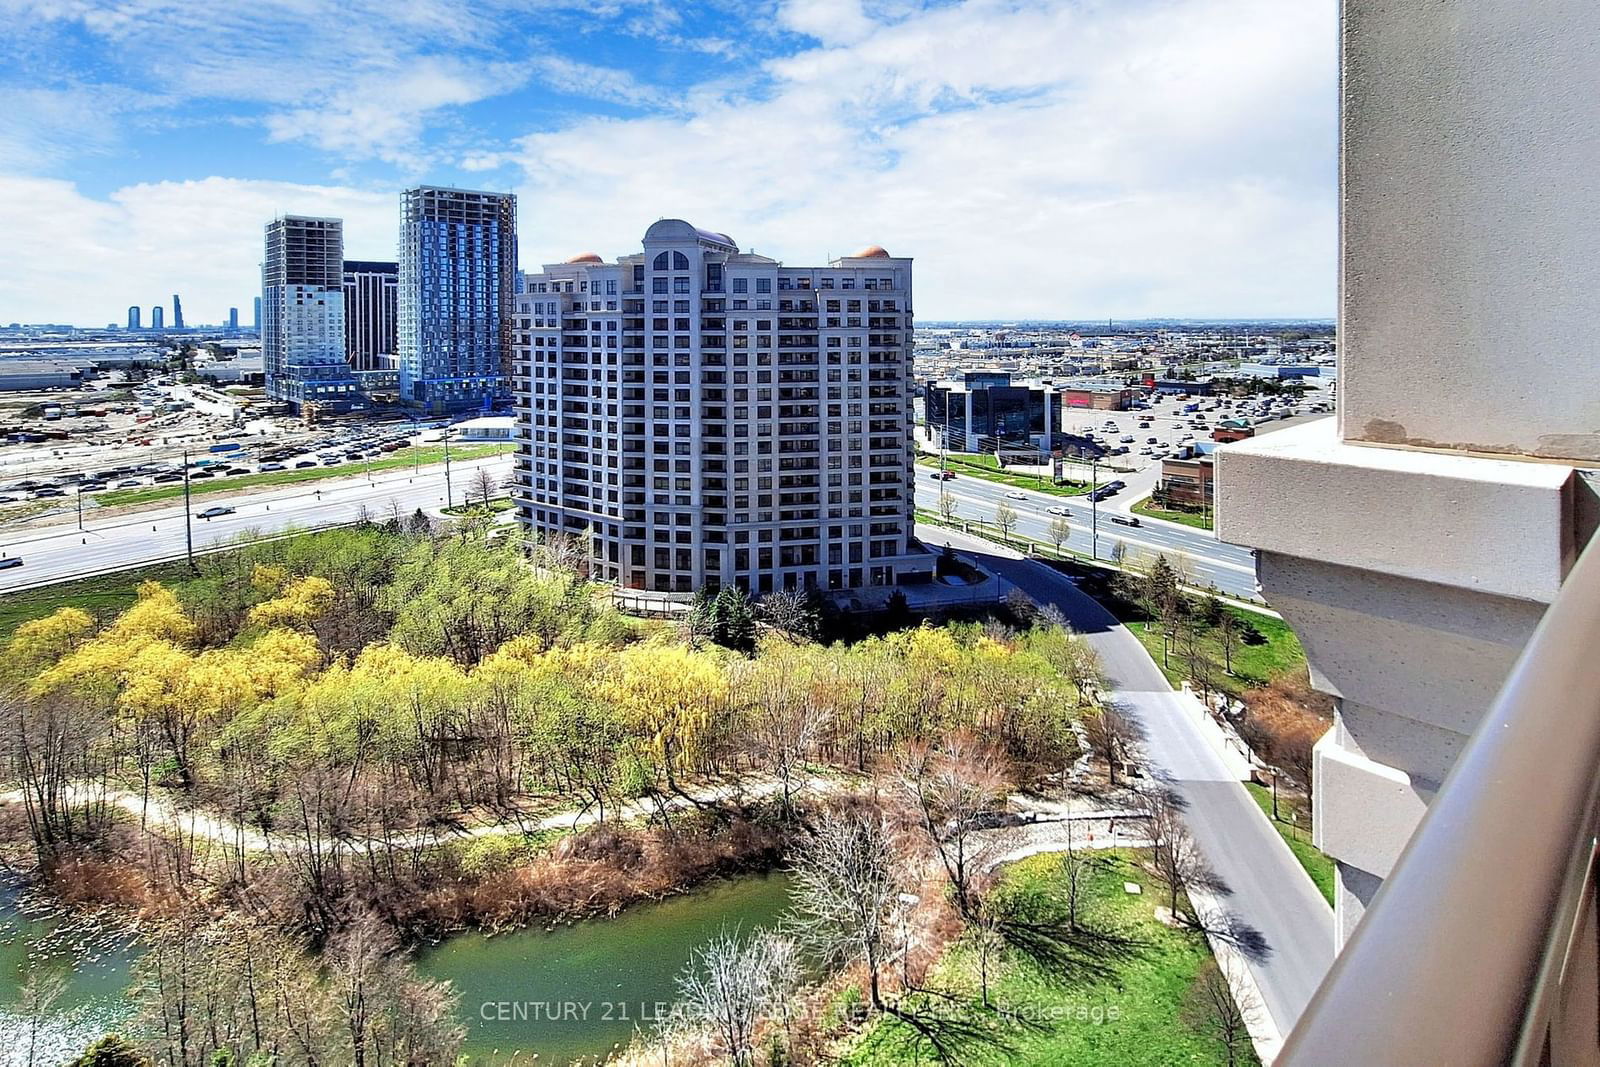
x=1471, y=171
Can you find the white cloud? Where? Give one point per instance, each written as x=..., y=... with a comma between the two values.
x=74, y=258
x=1037, y=158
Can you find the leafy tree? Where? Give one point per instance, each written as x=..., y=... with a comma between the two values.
x=897, y=612
x=112, y=1050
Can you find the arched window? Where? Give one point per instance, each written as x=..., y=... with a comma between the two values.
x=661, y=262
x=680, y=261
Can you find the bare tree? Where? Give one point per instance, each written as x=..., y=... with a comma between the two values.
x=732, y=983
x=483, y=485
x=847, y=886
x=792, y=612
x=1005, y=519
x=40, y=992
x=1109, y=736
x=1175, y=859
x=1209, y=1009
x=1078, y=867
x=953, y=788
x=1060, y=530
x=785, y=723
x=947, y=503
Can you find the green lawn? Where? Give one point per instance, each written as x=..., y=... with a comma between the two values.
x=1253, y=664
x=1125, y=1010
x=1298, y=836
x=405, y=457
x=102, y=596
x=1147, y=508
x=985, y=466
x=496, y=506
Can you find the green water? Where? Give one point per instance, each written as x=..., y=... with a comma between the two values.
x=577, y=993
x=96, y=964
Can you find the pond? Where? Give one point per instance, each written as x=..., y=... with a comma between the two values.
x=92, y=966
x=578, y=992
x=575, y=993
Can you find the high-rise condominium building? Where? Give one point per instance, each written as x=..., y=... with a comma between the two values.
x=697, y=416
x=370, y=313
x=233, y=318
x=177, y=312
x=458, y=261
x=302, y=301
x=133, y=317
x=257, y=321
x=158, y=317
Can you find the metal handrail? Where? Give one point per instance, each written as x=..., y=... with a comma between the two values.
x=1462, y=956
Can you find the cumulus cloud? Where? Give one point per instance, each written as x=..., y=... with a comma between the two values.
x=1038, y=158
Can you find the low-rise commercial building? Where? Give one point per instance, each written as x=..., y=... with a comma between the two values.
x=1102, y=394
x=1187, y=481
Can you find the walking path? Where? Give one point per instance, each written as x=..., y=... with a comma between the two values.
x=1279, y=928
x=164, y=812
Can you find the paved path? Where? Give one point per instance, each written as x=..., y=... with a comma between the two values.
x=162, y=811
x=1268, y=895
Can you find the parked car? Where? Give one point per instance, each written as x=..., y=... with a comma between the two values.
x=305, y=463
x=214, y=511
x=128, y=483
x=266, y=468
x=42, y=494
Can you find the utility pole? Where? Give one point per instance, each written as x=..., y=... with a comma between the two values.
x=1094, y=506
x=188, y=516
x=449, y=501
x=80, y=509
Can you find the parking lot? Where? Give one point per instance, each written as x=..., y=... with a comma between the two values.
x=138, y=436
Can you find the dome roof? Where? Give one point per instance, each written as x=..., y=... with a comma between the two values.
x=586, y=257
x=871, y=252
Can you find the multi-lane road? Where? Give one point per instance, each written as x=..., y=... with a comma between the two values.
x=1206, y=560
x=56, y=553
x=61, y=552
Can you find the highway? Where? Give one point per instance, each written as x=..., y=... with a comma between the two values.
x=60, y=553
x=1284, y=924
x=1206, y=560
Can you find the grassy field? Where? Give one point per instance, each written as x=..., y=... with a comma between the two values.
x=1279, y=649
x=985, y=466
x=405, y=457
x=102, y=596
x=1147, y=508
x=1118, y=1007
x=496, y=506
x=1298, y=836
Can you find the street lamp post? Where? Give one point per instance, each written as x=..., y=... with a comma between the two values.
x=1094, y=507
x=188, y=516
x=449, y=501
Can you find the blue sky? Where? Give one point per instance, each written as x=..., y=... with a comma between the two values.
x=1038, y=158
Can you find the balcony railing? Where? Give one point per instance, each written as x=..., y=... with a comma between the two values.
x=1483, y=945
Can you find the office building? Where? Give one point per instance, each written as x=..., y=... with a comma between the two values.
x=233, y=318
x=158, y=317
x=371, y=294
x=984, y=409
x=257, y=320
x=133, y=317
x=458, y=261
x=699, y=416
x=302, y=303
x=177, y=312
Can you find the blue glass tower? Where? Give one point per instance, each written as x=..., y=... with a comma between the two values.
x=458, y=265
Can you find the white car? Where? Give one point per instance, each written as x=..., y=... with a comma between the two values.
x=1016, y=494
x=1056, y=509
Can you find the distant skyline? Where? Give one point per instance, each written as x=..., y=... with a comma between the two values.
x=1041, y=159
